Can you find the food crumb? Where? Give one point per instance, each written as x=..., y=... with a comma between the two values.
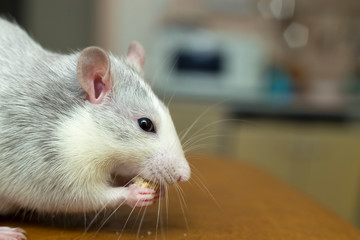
x=149, y=233
x=185, y=234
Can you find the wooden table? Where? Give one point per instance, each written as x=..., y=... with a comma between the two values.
x=249, y=205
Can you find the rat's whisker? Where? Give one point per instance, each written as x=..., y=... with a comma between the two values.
x=202, y=137
x=183, y=135
x=170, y=100
x=94, y=219
x=196, y=172
x=86, y=228
x=162, y=227
x=181, y=195
x=127, y=220
x=163, y=233
x=141, y=222
x=195, y=139
x=177, y=186
x=137, y=217
x=132, y=179
x=198, y=146
x=195, y=169
x=197, y=180
x=182, y=209
x=16, y=213
x=167, y=206
x=85, y=221
x=207, y=126
x=107, y=219
x=181, y=191
x=159, y=219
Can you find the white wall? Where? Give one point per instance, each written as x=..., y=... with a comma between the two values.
x=120, y=22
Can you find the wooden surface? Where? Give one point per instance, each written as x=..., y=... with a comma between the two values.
x=252, y=205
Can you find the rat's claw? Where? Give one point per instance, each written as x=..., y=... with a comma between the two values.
x=140, y=197
x=7, y=233
x=159, y=195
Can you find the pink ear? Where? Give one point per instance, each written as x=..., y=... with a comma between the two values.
x=93, y=73
x=136, y=55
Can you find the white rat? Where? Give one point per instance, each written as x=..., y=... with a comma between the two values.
x=69, y=123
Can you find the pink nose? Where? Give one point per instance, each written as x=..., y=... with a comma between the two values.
x=182, y=179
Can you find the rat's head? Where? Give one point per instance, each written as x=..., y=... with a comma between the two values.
x=133, y=133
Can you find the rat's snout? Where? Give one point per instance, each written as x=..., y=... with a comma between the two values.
x=184, y=171
x=167, y=168
x=183, y=179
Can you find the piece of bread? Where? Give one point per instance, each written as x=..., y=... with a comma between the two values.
x=143, y=183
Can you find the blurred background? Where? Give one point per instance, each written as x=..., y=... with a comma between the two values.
x=274, y=83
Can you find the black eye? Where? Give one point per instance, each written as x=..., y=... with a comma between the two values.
x=146, y=125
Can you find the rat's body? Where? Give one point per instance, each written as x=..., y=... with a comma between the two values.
x=70, y=122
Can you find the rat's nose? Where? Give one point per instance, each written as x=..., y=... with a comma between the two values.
x=183, y=178
x=184, y=171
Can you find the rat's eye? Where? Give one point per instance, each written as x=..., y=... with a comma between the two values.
x=146, y=125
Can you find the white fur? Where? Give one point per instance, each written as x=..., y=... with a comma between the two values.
x=57, y=150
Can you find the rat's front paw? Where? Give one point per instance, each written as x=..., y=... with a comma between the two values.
x=140, y=197
x=11, y=233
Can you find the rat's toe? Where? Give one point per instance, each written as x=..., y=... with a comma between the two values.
x=12, y=233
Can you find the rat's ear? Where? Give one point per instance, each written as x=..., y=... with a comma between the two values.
x=93, y=73
x=136, y=55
